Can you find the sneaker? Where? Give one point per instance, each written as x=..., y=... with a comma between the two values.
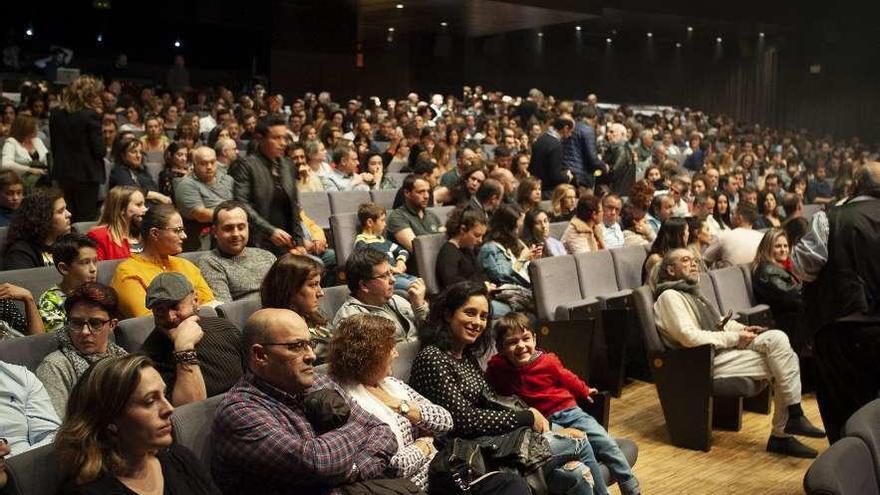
x=790, y=446
x=802, y=426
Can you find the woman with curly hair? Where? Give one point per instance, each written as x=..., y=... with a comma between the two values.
x=361, y=355
x=41, y=218
x=470, y=180
x=294, y=282
x=116, y=437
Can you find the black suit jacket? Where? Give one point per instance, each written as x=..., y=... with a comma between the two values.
x=253, y=187
x=547, y=163
x=77, y=146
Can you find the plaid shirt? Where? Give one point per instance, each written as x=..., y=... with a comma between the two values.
x=263, y=444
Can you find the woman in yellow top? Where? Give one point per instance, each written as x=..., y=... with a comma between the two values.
x=162, y=235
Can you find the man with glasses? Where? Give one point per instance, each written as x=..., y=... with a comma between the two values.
x=266, y=435
x=197, y=356
x=371, y=282
x=686, y=319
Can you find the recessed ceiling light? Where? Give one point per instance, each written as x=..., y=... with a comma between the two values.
x=761, y=34
x=677, y=45
x=690, y=29
x=444, y=23
x=718, y=39
x=399, y=6
x=391, y=30
x=650, y=34
x=540, y=34
x=608, y=40
x=577, y=28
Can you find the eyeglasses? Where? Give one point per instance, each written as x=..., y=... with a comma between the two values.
x=176, y=230
x=296, y=346
x=388, y=275
x=79, y=324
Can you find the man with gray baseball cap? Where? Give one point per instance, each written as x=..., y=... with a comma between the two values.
x=197, y=356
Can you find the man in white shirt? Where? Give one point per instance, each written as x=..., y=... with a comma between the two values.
x=611, y=205
x=737, y=246
x=27, y=418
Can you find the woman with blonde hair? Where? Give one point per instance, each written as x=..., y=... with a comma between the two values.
x=118, y=231
x=78, y=147
x=562, y=203
x=116, y=437
x=775, y=285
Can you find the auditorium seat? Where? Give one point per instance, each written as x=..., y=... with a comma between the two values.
x=846, y=468
x=407, y=352
x=35, y=472
x=36, y=280
x=732, y=295
x=132, y=332
x=192, y=427
x=555, y=288
x=693, y=402
x=442, y=212
x=239, y=311
x=344, y=228
x=864, y=424
x=82, y=227
x=397, y=177
x=597, y=278
x=557, y=229
x=28, y=351
x=346, y=201
x=316, y=205
x=106, y=269
x=333, y=299
x=426, y=248
x=384, y=197
x=193, y=256
x=628, y=263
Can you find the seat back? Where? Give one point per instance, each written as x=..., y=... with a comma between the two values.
x=707, y=290
x=239, y=311
x=572, y=341
x=344, y=227
x=106, y=269
x=193, y=256
x=865, y=425
x=557, y=229
x=191, y=427
x=347, y=201
x=844, y=469
x=154, y=162
x=333, y=299
x=442, y=212
x=36, y=280
x=643, y=300
x=747, y=275
x=131, y=333
x=384, y=197
x=553, y=285
x=426, y=248
x=628, y=263
x=83, y=227
x=35, y=472
x=28, y=351
x=407, y=352
x=730, y=289
x=397, y=177
x=596, y=275
x=4, y=232
x=545, y=204
x=317, y=207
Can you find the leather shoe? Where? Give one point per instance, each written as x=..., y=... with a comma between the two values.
x=790, y=446
x=802, y=426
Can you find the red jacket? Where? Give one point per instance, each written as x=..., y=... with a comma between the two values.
x=544, y=384
x=107, y=249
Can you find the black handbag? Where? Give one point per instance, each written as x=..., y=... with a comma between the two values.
x=382, y=486
x=512, y=403
x=457, y=465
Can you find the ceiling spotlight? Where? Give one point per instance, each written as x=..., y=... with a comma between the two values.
x=690, y=29
x=718, y=39
x=29, y=32
x=399, y=6
x=613, y=31
x=444, y=24
x=761, y=34
x=540, y=34
x=177, y=44
x=608, y=40
x=650, y=34
x=577, y=28
x=677, y=44
x=391, y=30
x=100, y=38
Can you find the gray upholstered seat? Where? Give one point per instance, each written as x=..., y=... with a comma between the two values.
x=344, y=227
x=36, y=280
x=83, y=227
x=628, y=263
x=596, y=276
x=865, y=425
x=333, y=299
x=35, y=472
x=346, y=201
x=28, y=351
x=732, y=294
x=193, y=256
x=192, y=427
x=106, y=269
x=555, y=286
x=442, y=212
x=384, y=197
x=131, y=333
x=426, y=248
x=239, y=311
x=557, y=229
x=316, y=205
x=846, y=468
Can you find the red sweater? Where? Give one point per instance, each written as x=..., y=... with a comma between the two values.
x=107, y=249
x=544, y=384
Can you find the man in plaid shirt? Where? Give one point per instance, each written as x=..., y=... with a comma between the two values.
x=262, y=441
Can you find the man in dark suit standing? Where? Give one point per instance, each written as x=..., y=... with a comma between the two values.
x=547, y=163
x=580, y=151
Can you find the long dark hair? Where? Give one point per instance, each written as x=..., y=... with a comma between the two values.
x=502, y=228
x=670, y=236
x=436, y=330
x=722, y=219
x=284, y=279
x=529, y=232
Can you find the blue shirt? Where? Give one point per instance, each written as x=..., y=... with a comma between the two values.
x=27, y=418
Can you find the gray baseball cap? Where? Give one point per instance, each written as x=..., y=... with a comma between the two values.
x=168, y=287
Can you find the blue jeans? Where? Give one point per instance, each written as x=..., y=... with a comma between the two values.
x=604, y=448
x=569, y=479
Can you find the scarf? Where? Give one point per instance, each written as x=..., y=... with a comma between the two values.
x=707, y=315
x=374, y=406
x=80, y=361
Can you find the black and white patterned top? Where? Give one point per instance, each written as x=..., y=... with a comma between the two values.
x=10, y=315
x=457, y=385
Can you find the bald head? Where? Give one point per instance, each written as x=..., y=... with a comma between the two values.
x=261, y=326
x=867, y=180
x=205, y=164
x=279, y=349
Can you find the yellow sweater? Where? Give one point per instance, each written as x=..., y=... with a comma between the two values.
x=134, y=275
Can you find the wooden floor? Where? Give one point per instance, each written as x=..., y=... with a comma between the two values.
x=737, y=463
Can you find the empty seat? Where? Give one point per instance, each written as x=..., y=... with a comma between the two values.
x=317, y=207
x=83, y=227
x=35, y=472
x=557, y=229
x=442, y=212
x=192, y=427
x=384, y=197
x=865, y=425
x=596, y=276
x=239, y=311
x=28, y=351
x=333, y=299
x=344, y=227
x=732, y=295
x=106, y=269
x=846, y=468
x=628, y=263
x=426, y=248
x=131, y=333
x=346, y=201
x=555, y=289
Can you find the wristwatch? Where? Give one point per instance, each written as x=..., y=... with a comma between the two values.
x=403, y=408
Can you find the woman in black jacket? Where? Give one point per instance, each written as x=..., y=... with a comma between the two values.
x=775, y=285
x=41, y=218
x=78, y=147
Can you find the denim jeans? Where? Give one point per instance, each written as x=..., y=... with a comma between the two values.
x=574, y=477
x=604, y=449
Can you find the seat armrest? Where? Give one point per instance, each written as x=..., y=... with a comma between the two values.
x=621, y=299
x=599, y=409
x=580, y=309
x=759, y=314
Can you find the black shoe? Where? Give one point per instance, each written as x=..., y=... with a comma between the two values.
x=802, y=426
x=790, y=446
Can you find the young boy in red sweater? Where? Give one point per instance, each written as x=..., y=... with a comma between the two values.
x=540, y=379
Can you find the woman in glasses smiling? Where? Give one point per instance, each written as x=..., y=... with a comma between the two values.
x=91, y=318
